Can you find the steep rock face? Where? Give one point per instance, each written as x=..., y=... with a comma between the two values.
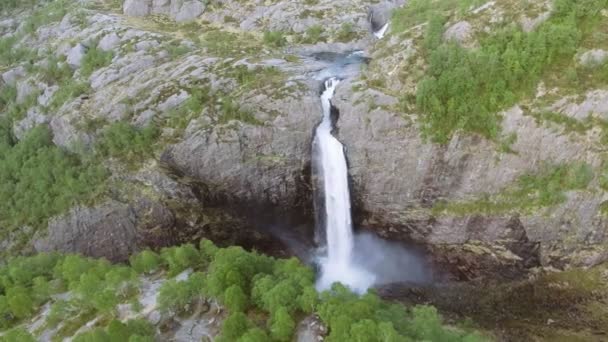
x=112, y=230
x=398, y=178
x=265, y=165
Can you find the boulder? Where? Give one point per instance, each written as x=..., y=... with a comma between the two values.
x=461, y=32
x=178, y=10
x=75, y=55
x=529, y=24
x=593, y=57
x=109, y=42
x=33, y=118
x=186, y=10
x=11, y=76
x=311, y=329
x=137, y=8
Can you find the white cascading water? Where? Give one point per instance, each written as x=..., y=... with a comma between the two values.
x=381, y=32
x=337, y=265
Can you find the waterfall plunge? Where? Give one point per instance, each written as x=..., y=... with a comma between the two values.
x=337, y=265
x=381, y=32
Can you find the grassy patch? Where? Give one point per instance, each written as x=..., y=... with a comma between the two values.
x=67, y=91
x=229, y=44
x=346, y=33
x=416, y=12
x=11, y=54
x=127, y=143
x=94, y=59
x=54, y=11
x=313, y=35
x=535, y=190
x=275, y=39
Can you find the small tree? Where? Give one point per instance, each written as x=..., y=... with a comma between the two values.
x=254, y=335
x=234, y=327
x=20, y=302
x=282, y=325
x=145, y=262
x=235, y=299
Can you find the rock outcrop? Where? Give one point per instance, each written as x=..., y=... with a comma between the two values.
x=178, y=10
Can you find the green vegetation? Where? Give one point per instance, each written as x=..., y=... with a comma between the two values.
x=11, y=53
x=463, y=90
x=67, y=91
x=419, y=11
x=265, y=297
x=535, y=190
x=52, y=12
x=346, y=33
x=313, y=35
x=228, y=44
x=39, y=180
x=10, y=4
x=123, y=141
x=275, y=38
x=131, y=331
x=94, y=59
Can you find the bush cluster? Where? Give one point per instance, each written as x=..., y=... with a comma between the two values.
x=465, y=89
x=265, y=297
x=39, y=180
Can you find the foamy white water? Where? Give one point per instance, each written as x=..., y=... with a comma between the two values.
x=338, y=265
x=381, y=32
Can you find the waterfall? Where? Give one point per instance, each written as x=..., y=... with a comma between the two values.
x=381, y=32
x=337, y=265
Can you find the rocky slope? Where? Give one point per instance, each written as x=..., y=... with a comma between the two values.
x=232, y=90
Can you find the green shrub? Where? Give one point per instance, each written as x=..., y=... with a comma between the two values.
x=367, y=318
x=179, y=296
x=254, y=335
x=52, y=12
x=235, y=326
x=19, y=301
x=235, y=299
x=11, y=53
x=282, y=291
x=94, y=59
x=230, y=110
x=145, y=262
x=346, y=33
x=17, y=335
x=282, y=325
x=180, y=258
x=313, y=35
x=67, y=91
x=55, y=71
x=274, y=38
x=123, y=141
